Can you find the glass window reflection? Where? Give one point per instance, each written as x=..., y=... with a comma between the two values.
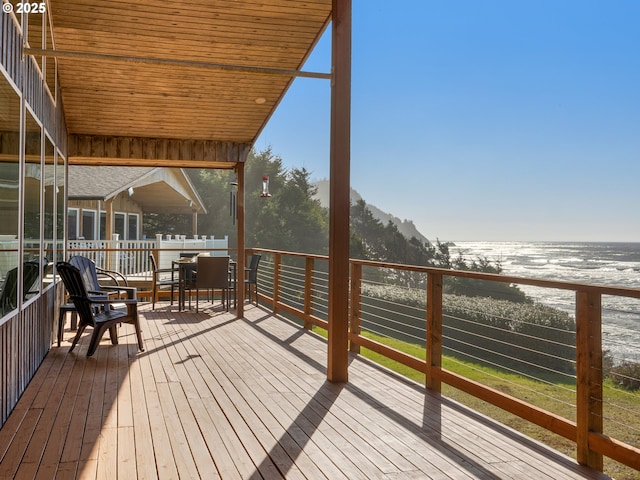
x=9, y=195
x=32, y=196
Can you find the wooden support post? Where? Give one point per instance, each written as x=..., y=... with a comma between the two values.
x=339, y=185
x=434, y=331
x=308, y=292
x=109, y=231
x=589, y=375
x=356, y=303
x=242, y=256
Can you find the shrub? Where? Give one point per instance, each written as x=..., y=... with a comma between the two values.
x=626, y=374
x=527, y=337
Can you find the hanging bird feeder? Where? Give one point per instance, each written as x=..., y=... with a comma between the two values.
x=265, y=187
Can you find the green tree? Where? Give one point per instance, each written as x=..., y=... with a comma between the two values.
x=291, y=219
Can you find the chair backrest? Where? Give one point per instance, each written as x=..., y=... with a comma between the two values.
x=30, y=275
x=74, y=283
x=213, y=272
x=9, y=294
x=87, y=268
x=152, y=261
x=253, y=267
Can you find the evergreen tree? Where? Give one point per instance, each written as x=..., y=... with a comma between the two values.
x=292, y=220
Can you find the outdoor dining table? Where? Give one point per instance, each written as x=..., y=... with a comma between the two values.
x=186, y=268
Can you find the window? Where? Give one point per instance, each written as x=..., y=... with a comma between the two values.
x=32, y=179
x=60, y=208
x=89, y=224
x=119, y=223
x=73, y=224
x=9, y=193
x=134, y=221
x=49, y=193
x=103, y=225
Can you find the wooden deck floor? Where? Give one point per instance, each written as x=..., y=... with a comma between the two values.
x=218, y=397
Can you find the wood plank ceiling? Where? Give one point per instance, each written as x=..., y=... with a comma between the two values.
x=189, y=100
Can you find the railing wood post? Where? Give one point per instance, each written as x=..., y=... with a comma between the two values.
x=355, y=304
x=277, y=267
x=114, y=246
x=434, y=331
x=308, y=292
x=589, y=375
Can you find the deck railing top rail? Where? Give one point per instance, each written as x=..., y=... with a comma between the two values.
x=563, y=347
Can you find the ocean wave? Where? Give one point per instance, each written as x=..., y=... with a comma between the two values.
x=607, y=264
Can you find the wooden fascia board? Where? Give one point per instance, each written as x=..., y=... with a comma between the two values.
x=158, y=152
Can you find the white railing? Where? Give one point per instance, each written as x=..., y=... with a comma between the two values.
x=170, y=247
x=131, y=257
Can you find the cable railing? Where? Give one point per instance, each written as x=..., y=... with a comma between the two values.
x=544, y=364
x=574, y=370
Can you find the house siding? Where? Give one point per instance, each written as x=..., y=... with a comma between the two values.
x=26, y=332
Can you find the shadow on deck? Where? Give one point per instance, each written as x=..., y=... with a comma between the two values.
x=218, y=397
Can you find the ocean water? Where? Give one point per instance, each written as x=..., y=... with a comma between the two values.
x=609, y=264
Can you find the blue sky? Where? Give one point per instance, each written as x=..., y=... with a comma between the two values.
x=485, y=119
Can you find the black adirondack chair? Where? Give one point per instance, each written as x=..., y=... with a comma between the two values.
x=102, y=318
x=96, y=290
x=90, y=273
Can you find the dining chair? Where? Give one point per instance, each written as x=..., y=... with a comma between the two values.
x=213, y=273
x=160, y=279
x=251, y=272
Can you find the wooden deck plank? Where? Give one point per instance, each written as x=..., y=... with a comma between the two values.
x=59, y=432
x=126, y=452
x=231, y=404
x=218, y=397
x=345, y=417
x=197, y=445
x=108, y=453
x=43, y=378
x=19, y=443
x=143, y=443
x=89, y=450
x=377, y=453
x=268, y=365
x=351, y=441
x=50, y=412
x=271, y=428
x=125, y=406
x=163, y=455
x=195, y=387
x=75, y=434
x=179, y=444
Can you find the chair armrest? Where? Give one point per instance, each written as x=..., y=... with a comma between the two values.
x=100, y=293
x=166, y=270
x=113, y=275
x=123, y=301
x=131, y=291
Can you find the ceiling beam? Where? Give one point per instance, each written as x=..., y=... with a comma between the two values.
x=173, y=62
